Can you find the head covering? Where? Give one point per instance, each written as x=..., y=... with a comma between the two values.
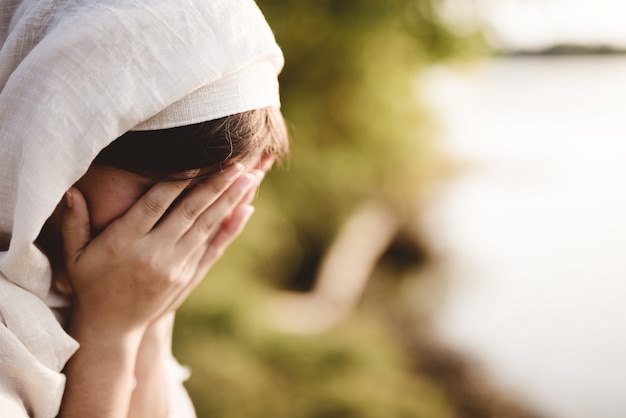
x=74, y=76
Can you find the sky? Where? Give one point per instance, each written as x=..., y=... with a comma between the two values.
x=537, y=24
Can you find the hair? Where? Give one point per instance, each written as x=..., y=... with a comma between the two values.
x=166, y=154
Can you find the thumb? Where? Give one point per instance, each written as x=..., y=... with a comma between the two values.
x=75, y=227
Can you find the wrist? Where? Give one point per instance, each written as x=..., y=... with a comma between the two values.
x=150, y=397
x=102, y=321
x=102, y=371
x=88, y=332
x=155, y=346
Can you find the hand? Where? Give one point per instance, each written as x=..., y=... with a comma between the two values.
x=231, y=227
x=144, y=264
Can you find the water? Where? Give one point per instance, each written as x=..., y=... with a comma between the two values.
x=534, y=231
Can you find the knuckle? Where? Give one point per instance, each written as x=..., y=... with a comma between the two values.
x=169, y=277
x=217, y=186
x=166, y=278
x=148, y=262
x=153, y=207
x=156, y=273
x=205, y=225
x=233, y=198
x=189, y=211
x=114, y=248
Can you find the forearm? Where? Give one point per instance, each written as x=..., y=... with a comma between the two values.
x=101, y=375
x=150, y=397
x=141, y=266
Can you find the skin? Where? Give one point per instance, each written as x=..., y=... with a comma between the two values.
x=131, y=260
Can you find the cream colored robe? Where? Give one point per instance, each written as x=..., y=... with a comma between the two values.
x=74, y=76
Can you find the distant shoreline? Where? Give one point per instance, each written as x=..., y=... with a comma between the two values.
x=563, y=50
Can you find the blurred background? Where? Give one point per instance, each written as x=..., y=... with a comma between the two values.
x=445, y=239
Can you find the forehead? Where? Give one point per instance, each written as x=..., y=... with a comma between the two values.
x=105, y=178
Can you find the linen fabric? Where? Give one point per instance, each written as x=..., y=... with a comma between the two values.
x=74, y=76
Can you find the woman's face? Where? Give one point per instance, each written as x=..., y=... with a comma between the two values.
x=110, y=192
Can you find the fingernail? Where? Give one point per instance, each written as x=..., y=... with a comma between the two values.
x=233, y=171
x=260, y=175
x=247, y=212
x=266, y=162
x=248, y=181
x=69, y=200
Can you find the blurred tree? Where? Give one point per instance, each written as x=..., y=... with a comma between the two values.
x=349, y=90
x=350, y=93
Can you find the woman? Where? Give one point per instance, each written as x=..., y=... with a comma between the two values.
x=133, y=135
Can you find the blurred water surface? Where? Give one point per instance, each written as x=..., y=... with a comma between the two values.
x=533, y=230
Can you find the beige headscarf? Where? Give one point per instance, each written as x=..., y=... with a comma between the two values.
x=74, y=76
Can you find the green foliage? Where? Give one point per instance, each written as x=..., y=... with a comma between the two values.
x=349, y=91
x=243, y=369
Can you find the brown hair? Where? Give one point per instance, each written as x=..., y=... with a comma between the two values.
x=166, y=153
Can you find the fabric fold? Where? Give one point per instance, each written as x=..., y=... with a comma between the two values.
x=74, y=76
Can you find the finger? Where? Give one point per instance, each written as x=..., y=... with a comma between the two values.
x=186, y=212
x=252, y=194
x=180, y=296
x=148, y=210
x=254, y=191
x=265, y=163
x=259, y=174
x=207, y=254
x=249, y=197
x=210, y=252
x=207, y=225
x=225, y=236
x=75, y=227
